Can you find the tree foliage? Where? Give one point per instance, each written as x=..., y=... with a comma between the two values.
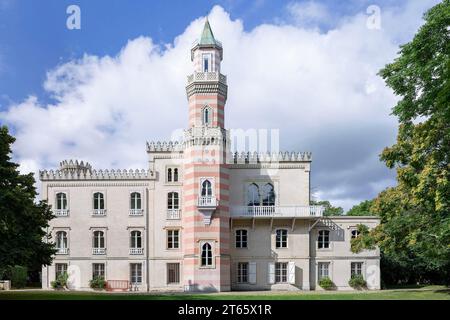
x=362, y=209
x=329, y=210
x=23, y=222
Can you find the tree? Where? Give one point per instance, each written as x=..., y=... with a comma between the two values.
x=362, y=209
x=415, y=215
x=329, y=209
x=22, y=221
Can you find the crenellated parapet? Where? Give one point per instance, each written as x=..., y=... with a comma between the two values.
x=164, y=146
x=258, y=157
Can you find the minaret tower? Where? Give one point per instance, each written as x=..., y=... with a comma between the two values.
x=206, y=228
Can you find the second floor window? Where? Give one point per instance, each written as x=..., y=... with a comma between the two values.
x=61, y=240
x=206, y=255
x=264, y=198
x=241, y=238
x=206, y=189
x=99, y=240
x=135, y=239
x=268, y=196
x=281, y=238
x=172, y=174
x=173, y=201
x=61, y=201
x=323, y=241
x=173, y=239
x=99, y=201
x=135, y=201
x=253, y=195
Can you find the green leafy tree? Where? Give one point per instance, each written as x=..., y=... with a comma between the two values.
x=329, y=210
x=362, y=209
x=415, y=215
x=23, y=222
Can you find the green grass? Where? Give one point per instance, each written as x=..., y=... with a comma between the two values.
x=425, y=293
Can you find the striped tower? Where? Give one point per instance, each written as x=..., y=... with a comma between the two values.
x=206, y=228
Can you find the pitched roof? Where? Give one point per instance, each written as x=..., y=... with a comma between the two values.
x=207, y=35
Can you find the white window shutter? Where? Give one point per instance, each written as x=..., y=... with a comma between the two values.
x=271, y=272
x=291, y=272
x=252, y=272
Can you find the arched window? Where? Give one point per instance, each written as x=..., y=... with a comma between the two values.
x=268, y=196
x=206, y=189
x=206, y=117
x=61, y=240
x=173, y=200
x=323, y=240
x=175, y=174
x=169, y=175
x=135, y=239
x=99, y=240
x=253, y=195
x=61, y=201
x=99, y=201
x=206, y=255
x=135, y=201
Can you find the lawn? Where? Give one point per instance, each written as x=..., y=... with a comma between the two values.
x=424, y=293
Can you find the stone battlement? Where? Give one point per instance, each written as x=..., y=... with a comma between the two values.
x=256, y=157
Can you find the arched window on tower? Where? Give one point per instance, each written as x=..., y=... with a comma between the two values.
x=206, y=117
x=206, y=189
x=206, y=255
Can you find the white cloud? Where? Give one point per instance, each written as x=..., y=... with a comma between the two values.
x=309, y=13
x=320, y=89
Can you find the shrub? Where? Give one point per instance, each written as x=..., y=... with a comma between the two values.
x=97, y=283
x=18, y=276
x=326, y=283
x=357, y=282
x=60, y=282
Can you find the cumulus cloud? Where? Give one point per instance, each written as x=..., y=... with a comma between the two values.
x=320, y=89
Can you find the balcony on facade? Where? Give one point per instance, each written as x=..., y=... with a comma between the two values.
x=99, y=212
x=136, y=212
x=136, y=251
x=62, y=251
x=207, y=202
x=98, y=251
x=173, y=214
x=276, y=211
x=61, y=212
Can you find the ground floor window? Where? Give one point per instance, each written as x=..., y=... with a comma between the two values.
x=60, y=268
x=323, y=270
x=281, y=269
x=98, y=270
x=173, y=273
x=356, y=269
x=242, y=272
x=136, y=273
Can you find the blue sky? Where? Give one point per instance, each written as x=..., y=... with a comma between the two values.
x=305, y=68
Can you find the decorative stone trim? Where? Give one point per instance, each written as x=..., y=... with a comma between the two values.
x=255, y=157
x=96, y=175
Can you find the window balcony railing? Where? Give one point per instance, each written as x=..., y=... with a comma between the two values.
x=173, y=214
x=277, y=211
x=136, y=212
x=98, y=251
x=207, y=202
x=62, y=250
x=136, y=251
x=99, y=212
x=61, y=212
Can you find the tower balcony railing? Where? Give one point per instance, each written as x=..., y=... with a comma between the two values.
x=61, y=212
x=173, y=214
x=277, y=211
x=207, y=202
x=207, y=77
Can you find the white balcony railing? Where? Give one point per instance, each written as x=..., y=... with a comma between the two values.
x=136, y=212
x=173, y=214
x=99, y=212
x=62, y=250
x=98, y=251
x=61, y=212
x=136, y=251
x=207, y=202
x=207, y=77
x=277, y=211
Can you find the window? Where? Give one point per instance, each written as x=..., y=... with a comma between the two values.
x=135, y=239
x=61, y=240
x=173, y=200
x=323, y=241
x=242, y=272
x=355, y=233
x=172, y=174
x=173, y=239
x=253, y=195
x=173, y=273
x=99, y=240
x=135, y=201
x=281, y=238
x=98, y=270
x=99, y=201
x=241, y=238
x=206, y=255
x=356, y=269
x=136, y=273
x=60, y=268
x=206, y=116
x=169, y=175
x=61, y=201
x=206, y=57
x=268, y=196
x=323, y=270
x=281, y=269
x=175, y=174
x=206, y=189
